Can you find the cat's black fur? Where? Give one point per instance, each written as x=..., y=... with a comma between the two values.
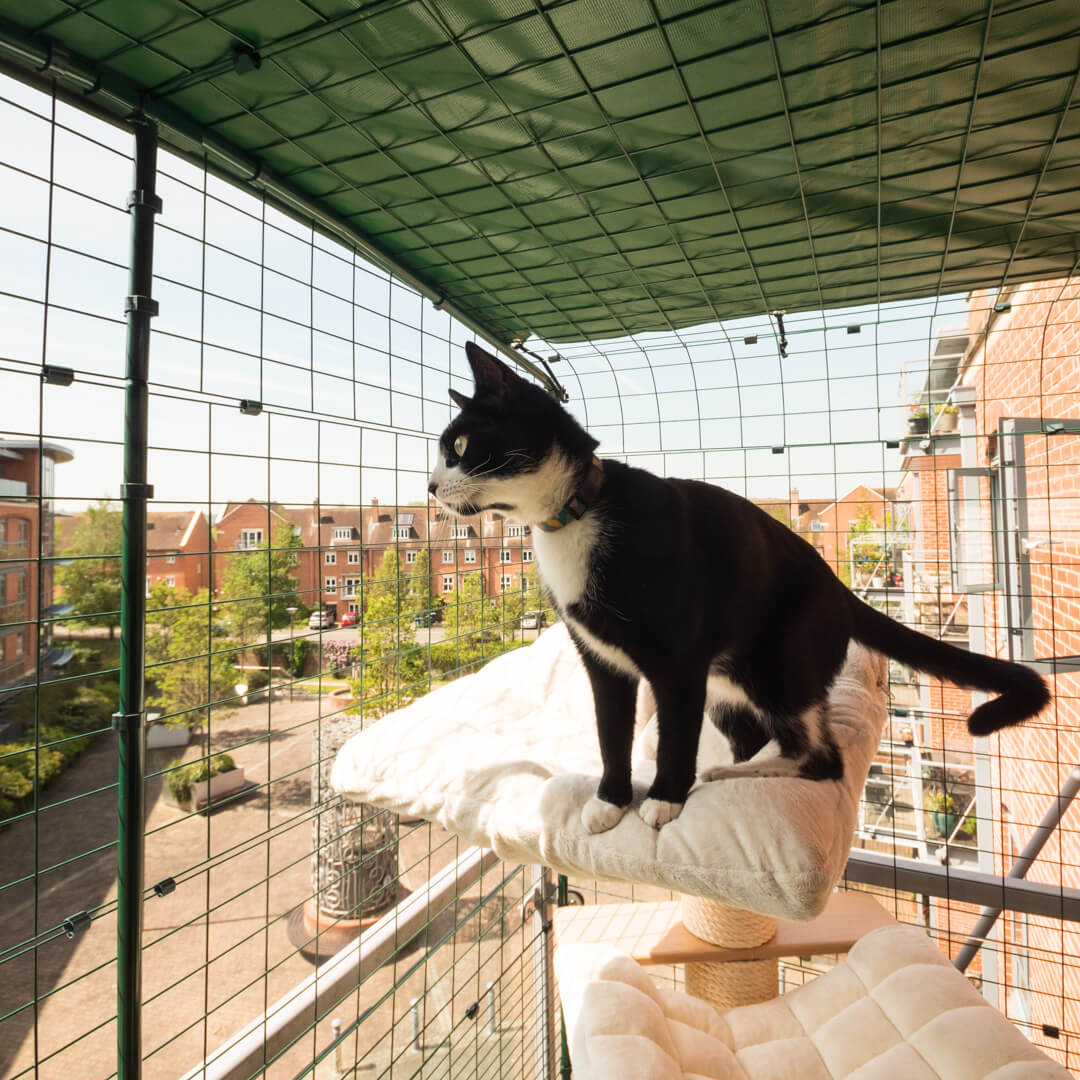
x=688, y=580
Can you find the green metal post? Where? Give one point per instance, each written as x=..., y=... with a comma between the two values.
x=143, y=204
x=562, y=898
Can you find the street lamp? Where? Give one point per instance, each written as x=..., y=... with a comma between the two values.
x=292, y=650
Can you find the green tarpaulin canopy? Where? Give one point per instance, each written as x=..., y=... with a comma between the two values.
x=587, y=168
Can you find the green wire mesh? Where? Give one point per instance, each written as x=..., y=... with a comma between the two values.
x=295, y=381
x=583, y=169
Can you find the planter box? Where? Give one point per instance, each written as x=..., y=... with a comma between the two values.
x=217, y=787
x=164, y=736
x=946, y=422
x=918, y=425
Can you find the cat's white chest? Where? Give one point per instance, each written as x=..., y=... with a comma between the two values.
x=564, y=557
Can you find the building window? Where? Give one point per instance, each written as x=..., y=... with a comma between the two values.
x=353, y=558
x=170, y=558
x=507, y=581
x=402, y=532
x=342, y=532
x=171, y=581
x=18, y=644
x=251, y=538
x=448, y=583
x=447, y=556
x=296, y=530
x=148, y=586
x=352, y=586
x=460, y=532
x=331, y=558
x=330, y=584
x=410, y=556
x=506, y=555
x=516, y=530
x=470, y=555
x=354, y=607
x=526, y=555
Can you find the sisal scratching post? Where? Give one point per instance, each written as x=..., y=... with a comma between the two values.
x=738, y=982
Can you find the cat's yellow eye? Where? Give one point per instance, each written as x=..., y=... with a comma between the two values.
x=459, y=445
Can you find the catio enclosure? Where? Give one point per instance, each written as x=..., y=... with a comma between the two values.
x=824, y=255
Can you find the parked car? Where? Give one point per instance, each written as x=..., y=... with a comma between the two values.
x=533, y=620
x=349, y=618
x=320, y=620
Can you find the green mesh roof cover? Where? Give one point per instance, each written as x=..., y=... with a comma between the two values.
x=595, y=167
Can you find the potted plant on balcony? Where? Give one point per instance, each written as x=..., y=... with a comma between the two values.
x=918, y=422
x=944, y=813
x=947, y=417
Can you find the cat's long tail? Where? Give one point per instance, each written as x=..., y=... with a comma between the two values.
x=1023, y=692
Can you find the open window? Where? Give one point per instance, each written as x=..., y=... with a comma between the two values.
x=973, y=540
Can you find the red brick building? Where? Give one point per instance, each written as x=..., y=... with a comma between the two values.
x=27, y=541
x=177, y=549
x=1012, y=538
x=827, y=523
x=342, y=546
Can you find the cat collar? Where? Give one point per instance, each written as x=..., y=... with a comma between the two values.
x=579, y=502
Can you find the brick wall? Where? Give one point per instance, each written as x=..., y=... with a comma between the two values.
x=1024, y=363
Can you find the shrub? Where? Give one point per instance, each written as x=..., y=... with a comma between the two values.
x=17, y=774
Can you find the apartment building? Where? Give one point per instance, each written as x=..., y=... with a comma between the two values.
x=27, y=545
x=341, y=547
x=996, y=552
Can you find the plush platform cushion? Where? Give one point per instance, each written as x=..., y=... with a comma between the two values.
x=896, y=1009
x=507, y=758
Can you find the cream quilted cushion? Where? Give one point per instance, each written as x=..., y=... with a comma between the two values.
x=507, y=757
x=895, y=1010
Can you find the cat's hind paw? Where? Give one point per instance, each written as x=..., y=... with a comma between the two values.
x=658, y=812
x=598, y=815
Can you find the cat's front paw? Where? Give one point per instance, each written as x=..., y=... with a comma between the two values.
x=658, y=812
x=598, y=815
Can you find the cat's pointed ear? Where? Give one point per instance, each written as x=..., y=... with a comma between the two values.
x=492, y=376
x=460, y=399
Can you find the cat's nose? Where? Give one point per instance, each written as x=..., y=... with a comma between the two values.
x=433, y=487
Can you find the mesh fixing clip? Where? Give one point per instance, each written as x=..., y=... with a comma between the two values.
x=77, y=923
x=472, y=1011
x=136, y=491
x=57, y=376
x=127, y=722
x=140, y=197
x=165, y=886
x=140, y=305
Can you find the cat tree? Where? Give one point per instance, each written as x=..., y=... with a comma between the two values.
x=507, y=758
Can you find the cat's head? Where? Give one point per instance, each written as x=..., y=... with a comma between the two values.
x=512, y=447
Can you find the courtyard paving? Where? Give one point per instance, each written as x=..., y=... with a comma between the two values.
x=217, y=950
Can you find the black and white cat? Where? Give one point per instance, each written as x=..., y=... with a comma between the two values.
x=700, y=592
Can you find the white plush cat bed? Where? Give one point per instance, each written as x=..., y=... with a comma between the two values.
x=508, y=757
x=896, y=1009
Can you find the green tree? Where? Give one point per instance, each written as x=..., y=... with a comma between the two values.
x=390, y=663
x=186, y=672
x=418, y=594
x=514, y=603
x=91, y=582
x=259, y=588
x=466, y=614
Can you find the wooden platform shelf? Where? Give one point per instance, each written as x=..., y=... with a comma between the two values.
x=653, y=933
